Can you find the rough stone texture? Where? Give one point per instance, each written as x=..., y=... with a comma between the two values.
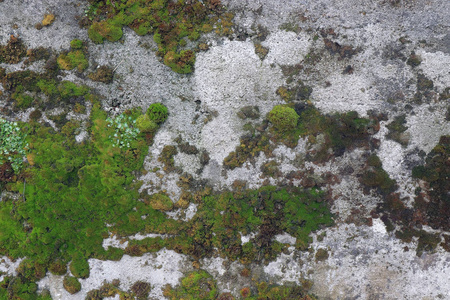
x=364, y=262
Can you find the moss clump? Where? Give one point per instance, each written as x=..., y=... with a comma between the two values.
x=376, y=177
x=161, y=202
x=249, y=112
x=71, y=284
x=13, y=52
x=107, y=29
x=283, y=118
x=73, y=59
x=396, y=130
x=21, y=100
x=102, y=74
x=321, y=254
x=414, y=60
x=182, y=62
x=222, y=219
x=436, y=172
x=170, y=22
x=58, y=267
x=196, y=285
x=141, y=289
x=76, y=44
x=166, y=157
x=145, y=124
x=48, y=19
x=157, y=113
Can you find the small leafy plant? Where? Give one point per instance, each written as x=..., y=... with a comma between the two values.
x=12, y=144
x=125, y=132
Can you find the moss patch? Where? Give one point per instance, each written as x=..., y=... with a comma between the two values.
x=169, y=22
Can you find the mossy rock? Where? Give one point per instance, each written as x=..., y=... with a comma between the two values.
x=161, y=202
x=283, y=118
x=71, y=284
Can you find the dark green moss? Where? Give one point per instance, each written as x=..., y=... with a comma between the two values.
x=158, y=113
x=376, y=177
x=414, y=60
x=396, y=130
x=268, y=211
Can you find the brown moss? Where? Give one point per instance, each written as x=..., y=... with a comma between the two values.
x=48, y=19
x=71, y=284
x=141, y=289
x=102, y=74
x=261, y=51
x=321, y=255
x=345, y=51
x=58, y=267
x=13, y=52
x=166, y=157
x=161, y=202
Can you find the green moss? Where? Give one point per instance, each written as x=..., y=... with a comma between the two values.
x=170, y=22
x=73, y=59
x=79, y=266
x=107, y=29
x=196, y=285
x=157, y=113
x=283, y=118
x=69, y=89
x=71, y=284
x=221, y=219
x=182, y=62
x=145, y=124
x=22, y=100
x=414, y=60
x=76, y=44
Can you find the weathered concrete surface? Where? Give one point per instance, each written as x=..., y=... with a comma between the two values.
x=364, y=262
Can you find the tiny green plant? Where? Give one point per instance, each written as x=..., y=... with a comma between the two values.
x=125, y=132
x=13, y=146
